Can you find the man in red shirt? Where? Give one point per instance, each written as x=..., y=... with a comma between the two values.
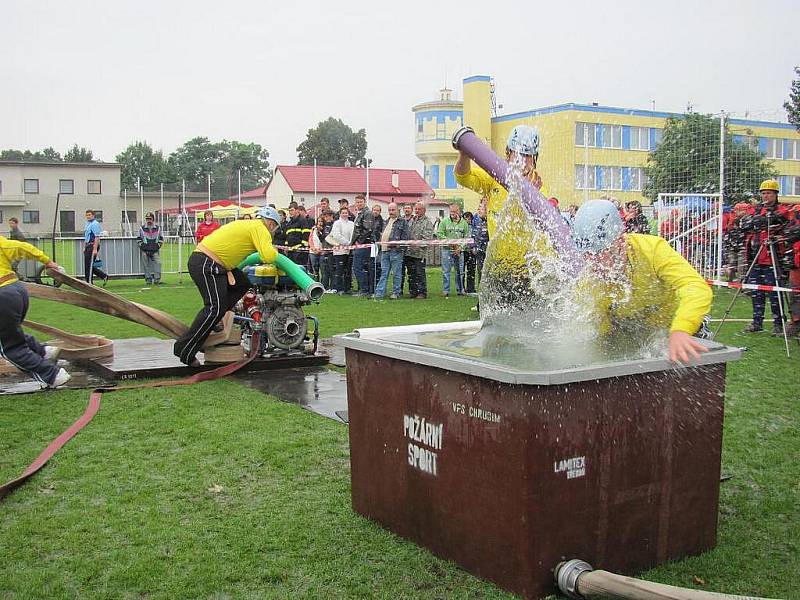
x=208, y=226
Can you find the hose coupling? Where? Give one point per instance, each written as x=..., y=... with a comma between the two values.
x=567, y=574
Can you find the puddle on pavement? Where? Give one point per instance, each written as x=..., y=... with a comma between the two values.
x=318, y=389
x=18, y=383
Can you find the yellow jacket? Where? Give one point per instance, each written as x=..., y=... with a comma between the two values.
x=12, y=251
x=665, y=292
x=237, y=240
x=517, y=240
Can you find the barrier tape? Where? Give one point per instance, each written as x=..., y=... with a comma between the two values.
x=94, y=406
x=410, y=243
x=752, y=286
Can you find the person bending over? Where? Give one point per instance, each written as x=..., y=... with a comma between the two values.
x=17, y=347
x=663, y=289
x=212, y=267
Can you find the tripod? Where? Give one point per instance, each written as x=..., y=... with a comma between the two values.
x=769, y=245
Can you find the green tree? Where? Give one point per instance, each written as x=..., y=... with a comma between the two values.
x=687, y=161
x=792, y=105
x=199, y=157
x=139, y=160
x=78, y=154
x=332, y=142
x=46, y=155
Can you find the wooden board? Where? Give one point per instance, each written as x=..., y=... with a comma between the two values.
x=144, y=358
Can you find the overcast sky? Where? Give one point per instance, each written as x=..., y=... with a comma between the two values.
x=103, y=74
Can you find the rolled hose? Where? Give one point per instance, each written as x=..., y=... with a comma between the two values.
x=313, y=289
x=577, y=579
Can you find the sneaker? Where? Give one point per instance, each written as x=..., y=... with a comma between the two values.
x=777, y=330
x=340, y=293
x=393, y=297
x=148, y=282
x=331, y=292
x=421, y=297
x=445, y=294
x=51, y=353
x=62, y=377
x=752, y=328
x=105, y=281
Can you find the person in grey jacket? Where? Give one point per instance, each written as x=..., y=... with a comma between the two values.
x=421, y=229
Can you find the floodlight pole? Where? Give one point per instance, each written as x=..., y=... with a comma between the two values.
x=141, y=201
x=209, y=190
x=721, y=192
x=315, y=182
x=239, y=177
x=161, y=220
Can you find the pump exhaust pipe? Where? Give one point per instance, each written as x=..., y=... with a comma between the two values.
x=577, y=579
x=465, y=140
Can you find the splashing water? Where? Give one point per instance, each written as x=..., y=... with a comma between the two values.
x=535, y=313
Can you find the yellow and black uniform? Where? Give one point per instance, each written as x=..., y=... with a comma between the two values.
x=665, y=290
x=212, y=267
x=17, y=347
x=516, y=240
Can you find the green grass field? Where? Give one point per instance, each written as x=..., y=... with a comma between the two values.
x=217, y=491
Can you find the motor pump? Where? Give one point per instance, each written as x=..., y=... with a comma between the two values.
x=274, y=306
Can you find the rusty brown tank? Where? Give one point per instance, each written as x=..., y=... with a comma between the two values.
x=619, y=465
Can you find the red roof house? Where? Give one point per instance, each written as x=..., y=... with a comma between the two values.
x=385, y=185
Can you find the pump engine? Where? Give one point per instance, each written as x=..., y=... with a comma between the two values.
x=274, y=306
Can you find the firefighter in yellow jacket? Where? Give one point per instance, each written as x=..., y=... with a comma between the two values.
x=655, y=285
x=518, y=244
x=213, y=268
x=17, y=347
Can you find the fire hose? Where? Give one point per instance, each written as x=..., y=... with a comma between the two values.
x=577, y=579
x=94, y=406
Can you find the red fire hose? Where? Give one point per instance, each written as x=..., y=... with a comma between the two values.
x=94, y=406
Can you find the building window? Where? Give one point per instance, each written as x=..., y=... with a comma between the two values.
x=66, y=186
x=584, y=134
x=774, y=148
x=794, y=189
x=441, y=130
x=658, y=135
x=791, y=151
x=420, y=125
x=1, y=187
x=30, y=216
x=98, y=216
x=584, y=177
x=640, y=138
x=611, y=178
x=1, y=216
x=637, y=179
x=611, y=136
x=93, y=186
x=128, y=216
x=31, y=186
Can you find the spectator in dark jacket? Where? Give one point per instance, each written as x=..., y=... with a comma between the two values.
x=363, y=231
x=395, y=229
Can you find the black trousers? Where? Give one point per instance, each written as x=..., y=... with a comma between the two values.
x=89, y=270
x=219, y=297
x=417, y=282
x=470, y=264
x=16, y=346
x=343, y=268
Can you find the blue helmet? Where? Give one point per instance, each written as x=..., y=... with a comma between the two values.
x=524, y=139
x=267, y=212
x=597, y=224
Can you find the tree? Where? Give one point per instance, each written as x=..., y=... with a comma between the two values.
x=46, y=155
x=687, y=161
x=76, y=154
x=139, y=160
x=333, y=143
x=198, y=158
x=792, y=106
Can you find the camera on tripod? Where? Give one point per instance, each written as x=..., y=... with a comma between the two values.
x=771, y=221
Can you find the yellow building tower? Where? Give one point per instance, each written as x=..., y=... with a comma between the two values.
x=435, y=123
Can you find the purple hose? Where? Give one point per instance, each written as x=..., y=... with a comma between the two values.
x=532, y=199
